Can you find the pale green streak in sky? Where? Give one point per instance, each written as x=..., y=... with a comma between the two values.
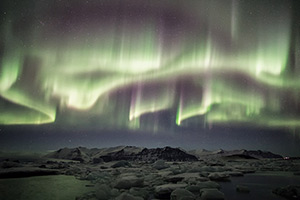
x=36, y=111
x=12, y=60
x=75, y=73
x=218, y=93
x=10, y=70
x=160, y=99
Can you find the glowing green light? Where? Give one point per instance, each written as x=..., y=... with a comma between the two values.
x=229, y=70
x=28, y=111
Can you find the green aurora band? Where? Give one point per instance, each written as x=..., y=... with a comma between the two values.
x=234, y=69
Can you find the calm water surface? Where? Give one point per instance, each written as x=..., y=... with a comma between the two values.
x=260, y=185
x=59, y=187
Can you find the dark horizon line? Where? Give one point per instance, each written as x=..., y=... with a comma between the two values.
x=22, y=152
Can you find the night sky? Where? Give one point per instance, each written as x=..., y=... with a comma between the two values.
x=194, y=74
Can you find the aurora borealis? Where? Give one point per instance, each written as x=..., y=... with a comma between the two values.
x=150, y=65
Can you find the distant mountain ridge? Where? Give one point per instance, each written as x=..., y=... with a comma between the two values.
x=255, y=154
x=131, y=153
x=83, y=154
x=166, y=153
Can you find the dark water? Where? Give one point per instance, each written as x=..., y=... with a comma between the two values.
x=260, y=185
x=58, y=187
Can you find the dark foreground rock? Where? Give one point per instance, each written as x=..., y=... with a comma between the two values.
x=161, y=173
x=289, y=192
x=160, y=164
x=219, y=176
x=180, y=194
x=103, y=192
x=164, y=191
x=211, y=194
x=126, y=196
x=242, y=189
x=128, y=182
x=208, y=185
